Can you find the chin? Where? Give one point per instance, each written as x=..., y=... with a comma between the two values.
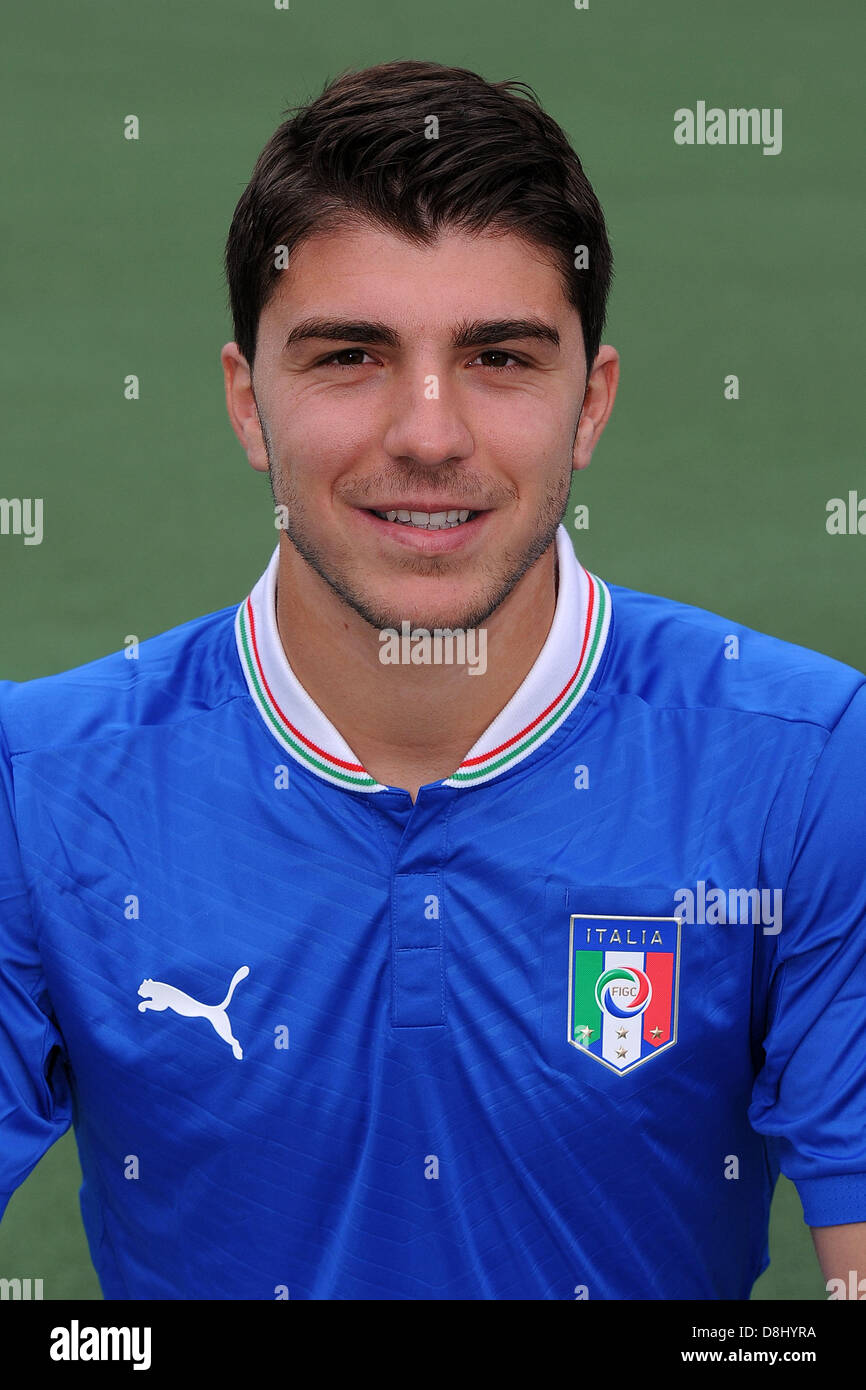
x=457, y=614
x=430, y=622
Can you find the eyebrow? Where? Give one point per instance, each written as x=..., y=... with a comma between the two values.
x=468, y=334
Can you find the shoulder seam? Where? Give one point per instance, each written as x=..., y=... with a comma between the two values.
x=122, y=733
x=733, y=709
x=830, y=733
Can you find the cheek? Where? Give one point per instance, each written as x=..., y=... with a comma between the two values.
x=521, y=426
x=321, y=437
x=531, y=451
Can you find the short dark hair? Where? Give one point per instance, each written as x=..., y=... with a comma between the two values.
x=500, y=163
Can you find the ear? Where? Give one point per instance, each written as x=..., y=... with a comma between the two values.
x=597, y=405
x=242, y=407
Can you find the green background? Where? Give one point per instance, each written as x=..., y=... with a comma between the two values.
x=727, y=261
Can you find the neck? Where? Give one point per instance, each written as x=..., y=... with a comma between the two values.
x=407, y=724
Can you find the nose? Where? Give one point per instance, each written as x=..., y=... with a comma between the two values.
x=425, y=424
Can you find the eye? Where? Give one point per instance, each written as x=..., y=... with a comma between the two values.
x=500, y=353
x=331, y=360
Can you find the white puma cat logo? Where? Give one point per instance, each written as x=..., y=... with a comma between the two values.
x=161, y=996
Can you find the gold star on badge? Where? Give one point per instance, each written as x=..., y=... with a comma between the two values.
x=622, y=1052
x=656, y=1032
x=585, y=1034
x=622, y=1033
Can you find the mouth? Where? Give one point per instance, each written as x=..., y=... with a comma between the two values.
x=434, y=530
x=445, y=520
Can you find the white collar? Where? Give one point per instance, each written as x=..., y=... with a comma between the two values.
x=553, y=687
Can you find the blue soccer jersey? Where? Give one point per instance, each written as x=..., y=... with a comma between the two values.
x=549, y=1032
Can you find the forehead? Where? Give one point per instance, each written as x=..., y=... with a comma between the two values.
x=363, y=269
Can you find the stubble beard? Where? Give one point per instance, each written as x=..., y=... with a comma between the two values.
x=500, y=579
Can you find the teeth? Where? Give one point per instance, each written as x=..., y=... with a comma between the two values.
x=428, y=521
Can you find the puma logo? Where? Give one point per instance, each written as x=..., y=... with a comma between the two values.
x=157, y=995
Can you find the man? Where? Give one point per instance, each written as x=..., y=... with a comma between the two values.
x=364, y=974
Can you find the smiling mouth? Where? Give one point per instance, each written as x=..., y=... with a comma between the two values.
x=428, y=521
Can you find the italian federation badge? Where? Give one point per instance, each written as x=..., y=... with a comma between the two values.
x=623, y=988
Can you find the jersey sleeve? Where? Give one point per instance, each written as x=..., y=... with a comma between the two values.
x=809, y=1097
x=35, y=1102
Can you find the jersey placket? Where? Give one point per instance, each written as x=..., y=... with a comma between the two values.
x=418, y=916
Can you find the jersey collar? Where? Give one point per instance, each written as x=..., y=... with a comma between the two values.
x=554, y=686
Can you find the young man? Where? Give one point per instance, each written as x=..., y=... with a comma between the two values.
x=511, y=978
